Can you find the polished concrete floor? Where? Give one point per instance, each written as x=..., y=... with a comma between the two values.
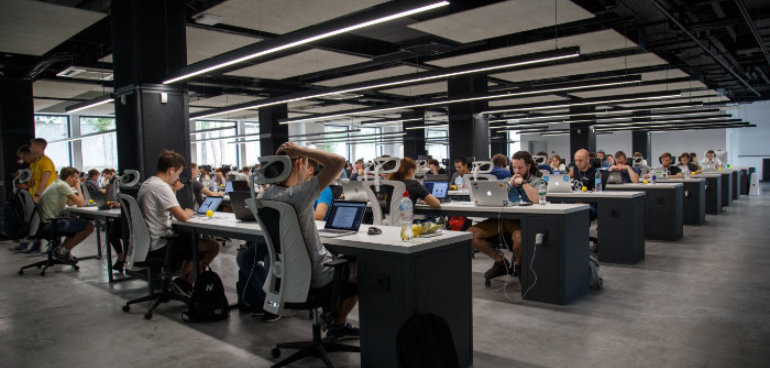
x=703, y=301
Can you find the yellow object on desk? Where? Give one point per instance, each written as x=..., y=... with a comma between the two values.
x=209, y=213
x=644, y=182
x=584, y=188
x=90, y=201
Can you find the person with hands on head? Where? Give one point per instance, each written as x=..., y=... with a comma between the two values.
x=627, y=172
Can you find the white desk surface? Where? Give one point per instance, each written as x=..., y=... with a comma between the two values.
x=389, y=240
x=549, y=208
x=94, y=211
x=637, y=186
x=681, y=180
x=604, y=194
x=708, y=175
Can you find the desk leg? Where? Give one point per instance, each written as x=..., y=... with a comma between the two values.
x=98, y=241
x=110, y=279
x=194, y=245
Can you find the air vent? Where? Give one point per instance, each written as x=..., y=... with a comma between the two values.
x=81, y=72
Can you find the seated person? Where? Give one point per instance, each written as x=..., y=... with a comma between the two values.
x=158, y=203
x=461, y=168
x=686, y=165
x=640, y=164
x=667, y=161
x=321, y=205
x=556, y=164
x=300, y=190
x=585, y=174
x=92, y=183
x=605, y=159
x=199, y=190
x=545, y=165
x=500, y=167
x=107, y=175
x=405, y=174
x=115, y=228
x=358, y=169
x=62, y=192
x=694, y=160
x=435, y=167
x=712, y=160
x=253, y=265
x=628, y=173
x=524, y=183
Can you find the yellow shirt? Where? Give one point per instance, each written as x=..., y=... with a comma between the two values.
x=38, y=167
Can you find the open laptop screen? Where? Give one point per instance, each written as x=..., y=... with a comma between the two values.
x=437, y=188
x=346, y=215
x=229, y=186
x=211, y=203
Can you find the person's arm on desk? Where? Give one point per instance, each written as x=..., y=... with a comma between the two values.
x=209, y=193
x=432, y=201
x=177, y=211
x=532, y=193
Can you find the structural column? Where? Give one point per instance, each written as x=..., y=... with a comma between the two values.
x=414, y=140
x=640, y=142
x=582, y=135
x=271, y=133
x=148, y=42
x=468, y=131
x=17, y=126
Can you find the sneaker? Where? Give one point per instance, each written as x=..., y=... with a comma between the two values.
x=118, y=266
x=64, y=255
x=344, y=330
x=180, y=287
x=21, y=247
x=268, y=317
x=34, y=247
x=500, y=268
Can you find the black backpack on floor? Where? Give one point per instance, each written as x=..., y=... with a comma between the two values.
x=208, y=301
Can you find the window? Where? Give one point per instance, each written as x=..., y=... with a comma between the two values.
x=99, y=143
x=211, y=148
x=252, y=149
x=370, y=149
x=437, y=143
x=54, y=128
x=336, y=143
x=514, y=142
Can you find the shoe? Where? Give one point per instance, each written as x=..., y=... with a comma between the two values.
x=268, y=317
x=34, y=247
x=64, y=256
x=344, y=330
x=180, y=287
x=500, y=268
x=118, y=266
x=21, y=247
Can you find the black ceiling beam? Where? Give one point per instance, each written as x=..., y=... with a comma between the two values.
x=753, y=28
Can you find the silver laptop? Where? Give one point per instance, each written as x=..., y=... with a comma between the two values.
x=490, y=193
x=558, y=183
x=210, y=203
x=344, y=219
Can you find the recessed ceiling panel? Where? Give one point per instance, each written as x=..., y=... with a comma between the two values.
x=46, y=88
x=331, y=108
x=35, y=27
x=44, y=103
x=664, y=74
x=503, y=18
x=283, y=16
x=640, y=89
x=583, y=67
x=310, y=61
x=377, y=74
x=588, y=42
x=222, y=100
x=418, y=89
x=526, y=100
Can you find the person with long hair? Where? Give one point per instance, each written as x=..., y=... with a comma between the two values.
x=405, y=174
x=686, y=165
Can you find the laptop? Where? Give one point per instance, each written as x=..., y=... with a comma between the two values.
x=344, y=219
x=236, y=185
x=560, y=183
x=101, y=200
x=210, y=203
x=438, y=189
x=240, y=209
x=490, y=193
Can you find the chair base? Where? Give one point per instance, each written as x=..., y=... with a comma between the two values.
x=318, y=347
x=156, y=298
x=49, y=262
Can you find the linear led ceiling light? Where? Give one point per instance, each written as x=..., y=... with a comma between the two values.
x=590, y=101
x=89, y=104
x=301, y=37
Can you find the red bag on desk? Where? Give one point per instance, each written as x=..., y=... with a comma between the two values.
x=458, y=223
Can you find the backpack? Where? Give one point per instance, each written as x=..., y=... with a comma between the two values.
x=208, y=301
x=425, y=341
x=13, y=224
x=596, y=282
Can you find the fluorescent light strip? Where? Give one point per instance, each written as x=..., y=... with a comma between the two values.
x=597, y=113
x=310, y=40
x=427, y=126
x=89, y=105
x=571, y=104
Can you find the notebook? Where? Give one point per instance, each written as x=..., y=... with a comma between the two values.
x=490, y=193
x=210, y=203
x=438, y=189
x=344, y=219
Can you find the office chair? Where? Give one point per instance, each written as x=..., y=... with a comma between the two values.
x=388, y=197
x=288, y=283
x=136, y=257
x=48, y=233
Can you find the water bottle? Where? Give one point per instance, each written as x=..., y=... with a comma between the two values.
x=598, y=181
x=405, y=217
x=655, y=176
x=541, y=191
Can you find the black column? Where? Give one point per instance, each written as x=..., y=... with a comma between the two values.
x=468, y=131
x=640, y=142
x=272, y=134
x=148, y=42
x=414, y=140
x=17, y=126
x=500, y=145
x=582, y=135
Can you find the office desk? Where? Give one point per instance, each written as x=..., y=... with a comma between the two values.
x=664, y=208
x=620, y=216
x=735, y=179
x=694, y=199
x=396, y=281
x=727, y=186
x=560, y=263
x=95, y=213
x=713, y=192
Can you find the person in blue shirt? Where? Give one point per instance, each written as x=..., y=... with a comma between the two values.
x=321, y=205
x=499, y=169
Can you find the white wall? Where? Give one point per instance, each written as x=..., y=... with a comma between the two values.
x=748, y=146
x=617, y=141
x=678, y=141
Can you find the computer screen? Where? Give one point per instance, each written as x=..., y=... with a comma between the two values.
x=346, y=215
x=437, y=188
x=211, y=203
x=229, y=186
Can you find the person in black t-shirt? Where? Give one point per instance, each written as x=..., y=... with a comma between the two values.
x=583, y=172
x=667, y=161
x=435, y=167
x=198, y=189
x=405, y=174
x=686, y=164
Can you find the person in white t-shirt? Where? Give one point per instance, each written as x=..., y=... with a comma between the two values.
x=158, y=203
x=712, y=160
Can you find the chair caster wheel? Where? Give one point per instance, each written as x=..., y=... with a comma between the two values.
x=42, y=273
x=148, y=316
x=76, y=267
x=275, y=353
x=487, y=283
x=21, y=272
x=126, y=308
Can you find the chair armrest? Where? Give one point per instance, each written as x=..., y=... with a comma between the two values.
x=339, y=262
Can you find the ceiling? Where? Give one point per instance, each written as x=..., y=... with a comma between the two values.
x=629, y=37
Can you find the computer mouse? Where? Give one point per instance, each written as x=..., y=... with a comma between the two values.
x=374, y=231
